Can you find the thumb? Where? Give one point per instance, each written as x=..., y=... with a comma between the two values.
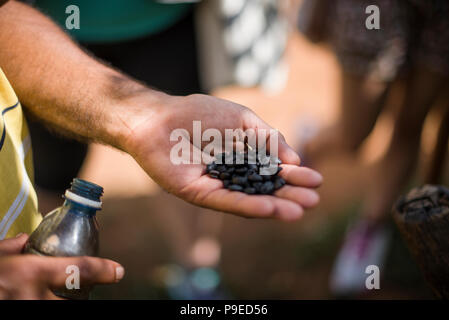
x=13, y=245
x=286, y=153
x=92, y=270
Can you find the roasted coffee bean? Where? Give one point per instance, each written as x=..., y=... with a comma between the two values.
x=230, y=169
x=235, y=187
x=241, y=170
x=241, y=180
x=239, y=174
x=214, y=173
x=279, y=183
x=255, y=177
x=209, y=167
x=225, y=176
x=257, y=185
x=267, y=188
x=250, y=172
x=221, y=168
x=266, y=177
x=249, y=190
x=253, y=167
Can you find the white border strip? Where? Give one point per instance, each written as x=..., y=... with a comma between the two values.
x=82, y=200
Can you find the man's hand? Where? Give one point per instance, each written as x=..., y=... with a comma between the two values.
x=149, y=143
x=78, y=95
x=33, y=277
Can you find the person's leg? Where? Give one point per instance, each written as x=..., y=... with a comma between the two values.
x=398, y=164
x=369, y=62
x=435, y=171
x=427, y=51
x=367, y=240
x=361, y=102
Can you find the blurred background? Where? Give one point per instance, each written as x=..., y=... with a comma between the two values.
x=363, y=109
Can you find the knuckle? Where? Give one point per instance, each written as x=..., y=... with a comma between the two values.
x=109, y=270
x=86, y=267
x=281, y=136
x=28, y=272
x=196, y=95
x=97, y=270
x=192, y=98
x=245, y=111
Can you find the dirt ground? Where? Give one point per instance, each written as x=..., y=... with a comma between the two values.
x=143, y=227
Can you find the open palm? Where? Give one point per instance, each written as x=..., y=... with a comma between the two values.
x=151, y=145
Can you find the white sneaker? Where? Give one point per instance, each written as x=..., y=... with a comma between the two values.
x=365, y=244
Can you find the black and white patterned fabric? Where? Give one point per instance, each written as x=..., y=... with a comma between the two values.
x=255, y=37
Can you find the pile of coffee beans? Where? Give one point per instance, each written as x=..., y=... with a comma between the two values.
x=246, y=177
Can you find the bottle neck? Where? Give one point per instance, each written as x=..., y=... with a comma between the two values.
x=80, y=208
x=83, y=197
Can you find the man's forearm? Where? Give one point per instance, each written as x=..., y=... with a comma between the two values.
x=62, y=85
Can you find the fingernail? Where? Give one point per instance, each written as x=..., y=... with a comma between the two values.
x=318, y=177
x=295, y=159
x=19, y=234
x=294, y=215
x=119, y=273
x=312, y=200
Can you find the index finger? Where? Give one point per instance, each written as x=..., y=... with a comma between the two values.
x=301, y=176
x=211, y=194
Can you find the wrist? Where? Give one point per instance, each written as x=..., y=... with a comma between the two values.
x=130, y=113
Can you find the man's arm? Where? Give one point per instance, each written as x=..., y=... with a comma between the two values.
x=73, y=92
x=62, y=85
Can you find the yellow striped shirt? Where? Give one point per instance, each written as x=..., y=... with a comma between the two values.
x=18, y=201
